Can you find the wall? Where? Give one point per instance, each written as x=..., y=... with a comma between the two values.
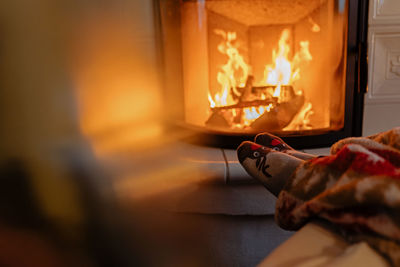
x=382, y=102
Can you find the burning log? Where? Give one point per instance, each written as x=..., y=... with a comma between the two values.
x=280, y=116
x=245, y=93
x=267, y=90
x=273, y=103
x=302, y=119
x=248, y=104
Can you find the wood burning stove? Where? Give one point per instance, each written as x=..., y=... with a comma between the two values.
x=234, y=68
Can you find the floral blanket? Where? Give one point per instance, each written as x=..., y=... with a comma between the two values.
x=357, y=188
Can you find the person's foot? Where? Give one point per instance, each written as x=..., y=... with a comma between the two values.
x=272, y=168
x=276, y=143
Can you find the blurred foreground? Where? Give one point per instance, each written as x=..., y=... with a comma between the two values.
x=86, y=165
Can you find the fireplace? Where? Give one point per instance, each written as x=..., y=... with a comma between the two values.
x=234, y=68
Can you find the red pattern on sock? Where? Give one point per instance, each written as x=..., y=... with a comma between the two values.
x=255, y=146
x=275, y=142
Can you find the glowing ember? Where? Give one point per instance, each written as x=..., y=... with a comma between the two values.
x=253, y=113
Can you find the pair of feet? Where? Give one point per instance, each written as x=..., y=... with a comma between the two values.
x=270, y=160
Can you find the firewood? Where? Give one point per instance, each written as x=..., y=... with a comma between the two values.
x=280, y=115
x=248, y=104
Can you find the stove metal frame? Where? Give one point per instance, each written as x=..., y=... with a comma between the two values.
x=356, y=87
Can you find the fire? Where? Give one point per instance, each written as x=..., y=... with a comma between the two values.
x=302, y=120
x=254, y=112
x=283, y=71
x=280, y=72
x=229, y=77
x=237, y=90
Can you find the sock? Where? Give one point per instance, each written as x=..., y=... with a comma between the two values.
x=276, y=143
x=272, y=168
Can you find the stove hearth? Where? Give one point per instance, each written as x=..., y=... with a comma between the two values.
x=234, y=68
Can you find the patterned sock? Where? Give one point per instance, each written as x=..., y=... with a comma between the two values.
x=272, y=168
x=276, y=143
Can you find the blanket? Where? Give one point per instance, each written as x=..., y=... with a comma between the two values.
x=357, y=188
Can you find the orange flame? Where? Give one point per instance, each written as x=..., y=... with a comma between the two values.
x=228, y=76
x=235, y=73
x=283, y=71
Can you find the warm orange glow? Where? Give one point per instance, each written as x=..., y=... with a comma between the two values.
x=116, y=85
x=253, y=113
x=229, y=76
x=234, y=77
x=283, y=71
x=302, y=120
x=280, y=72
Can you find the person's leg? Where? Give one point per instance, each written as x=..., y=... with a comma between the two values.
x=276, y=143
x=272, y=168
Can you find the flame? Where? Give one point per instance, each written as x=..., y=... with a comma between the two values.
x=302, y=120
x=212, y=102
x=229, y=75
x=283, y=71
x=253, y=113
x=279, y=72
x=234, y=74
